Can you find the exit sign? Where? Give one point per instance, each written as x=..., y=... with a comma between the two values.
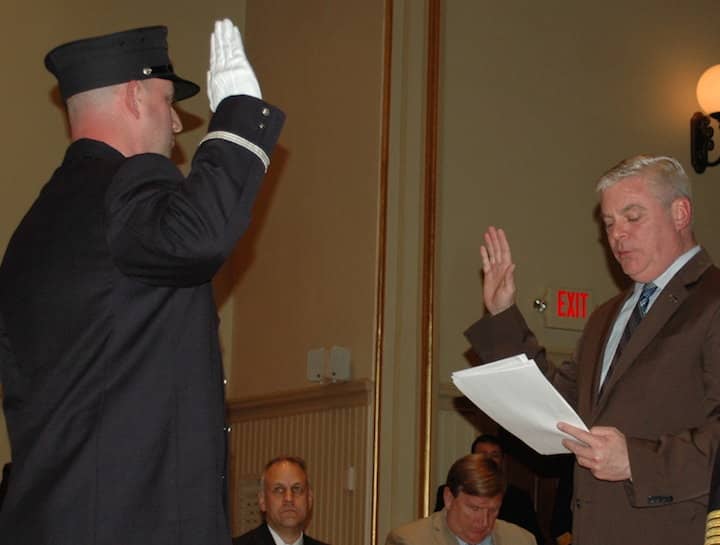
x=567, y=308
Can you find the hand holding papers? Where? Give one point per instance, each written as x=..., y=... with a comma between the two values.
x=515, y=394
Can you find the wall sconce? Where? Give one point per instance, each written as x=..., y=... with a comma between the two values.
x=701, y=133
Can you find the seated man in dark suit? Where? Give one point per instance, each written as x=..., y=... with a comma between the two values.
x=517, y=507
x=285, y=499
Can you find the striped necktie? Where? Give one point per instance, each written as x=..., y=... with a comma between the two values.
x=636, y=317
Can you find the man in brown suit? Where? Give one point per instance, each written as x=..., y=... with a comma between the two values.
x=645, y=376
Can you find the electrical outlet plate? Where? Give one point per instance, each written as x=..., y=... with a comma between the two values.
x=339, y=364
x=316, y=364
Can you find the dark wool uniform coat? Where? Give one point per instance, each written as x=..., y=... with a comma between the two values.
x=712, y=527
x=109, y=357
x=262, y=536
x=663, y=394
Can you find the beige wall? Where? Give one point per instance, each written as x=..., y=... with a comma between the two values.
x=539, y=100
x=306, y=272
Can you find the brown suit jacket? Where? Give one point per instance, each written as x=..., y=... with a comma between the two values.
x=433, y=530
x=663, y=394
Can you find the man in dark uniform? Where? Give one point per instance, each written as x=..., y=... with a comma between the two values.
x=109, y=354
x=4, y=482
x=285, y=499
x=712, y=522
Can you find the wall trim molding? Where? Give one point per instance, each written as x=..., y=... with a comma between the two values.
x=315, y=398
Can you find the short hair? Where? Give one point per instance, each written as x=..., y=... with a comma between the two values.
x=289, y=459
x=487, y=438
x=665, y=176
x=94, y=98
x=476, y=475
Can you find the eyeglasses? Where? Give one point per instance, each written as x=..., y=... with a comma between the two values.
x=280, y=490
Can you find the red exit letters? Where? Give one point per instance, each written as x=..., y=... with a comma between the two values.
x=572, y=304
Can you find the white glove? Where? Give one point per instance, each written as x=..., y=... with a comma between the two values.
x=230, y=72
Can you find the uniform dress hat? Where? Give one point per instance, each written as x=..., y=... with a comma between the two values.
x=135, y=54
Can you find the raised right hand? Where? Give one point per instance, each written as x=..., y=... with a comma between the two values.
x=230, y=72
x=498, y=271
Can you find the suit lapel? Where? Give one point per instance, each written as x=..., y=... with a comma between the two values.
x=661, y=311
x=264, y=535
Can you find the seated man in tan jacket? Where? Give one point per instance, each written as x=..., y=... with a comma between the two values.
x=473, y=494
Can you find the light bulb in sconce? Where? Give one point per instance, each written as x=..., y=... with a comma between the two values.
x=701, y=133
x=708, y=90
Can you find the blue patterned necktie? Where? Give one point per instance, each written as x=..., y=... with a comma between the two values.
x=640, y=309
x=636, y=317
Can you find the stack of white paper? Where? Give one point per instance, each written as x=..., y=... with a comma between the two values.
x=516, y=395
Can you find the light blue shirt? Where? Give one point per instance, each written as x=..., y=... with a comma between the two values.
x=487, y=541
x=627, y=308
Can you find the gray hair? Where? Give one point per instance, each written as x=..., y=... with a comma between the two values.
x=665, y=176
x=296, y=460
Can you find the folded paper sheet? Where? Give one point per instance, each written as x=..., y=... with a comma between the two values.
x=516, y=395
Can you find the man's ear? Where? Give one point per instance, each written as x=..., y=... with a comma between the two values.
x=447, y=497
x=681, y=212
x=261, y=501
x=133, y=92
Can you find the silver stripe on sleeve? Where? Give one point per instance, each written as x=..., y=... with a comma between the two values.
x=240, y=141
